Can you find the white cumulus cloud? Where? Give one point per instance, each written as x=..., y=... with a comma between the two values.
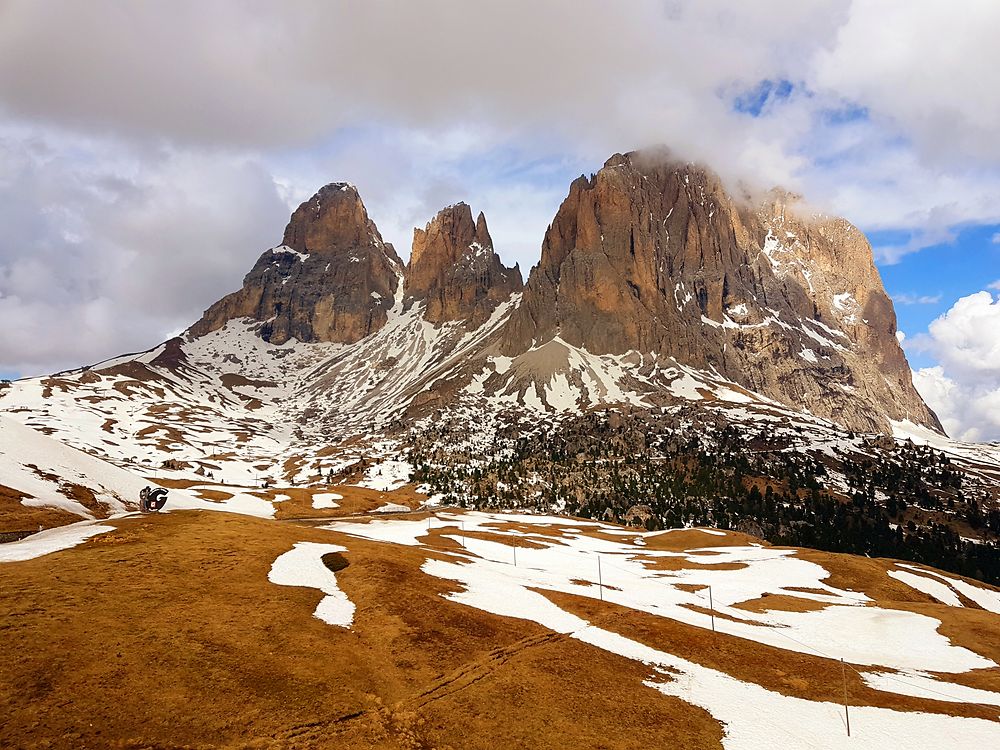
x=964, y=387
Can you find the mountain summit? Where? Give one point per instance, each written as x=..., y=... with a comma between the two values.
x=654, y=256
x=454, y=268
x=331, y=280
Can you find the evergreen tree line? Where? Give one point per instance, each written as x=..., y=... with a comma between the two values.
x=869, y=498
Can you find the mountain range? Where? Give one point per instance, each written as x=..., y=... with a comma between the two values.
x=649, y=261
x=668, y=312
x=601, y=506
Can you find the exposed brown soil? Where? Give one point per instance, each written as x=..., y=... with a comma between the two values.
x=232, y=380
x=781, y=602
x=166, y=633
x=355, y=500
x=684, y=563
x=17, y=517
x=691, y=539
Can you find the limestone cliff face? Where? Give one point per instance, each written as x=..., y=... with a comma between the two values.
x=655, y=256
x=455, y=270
x=332, y=279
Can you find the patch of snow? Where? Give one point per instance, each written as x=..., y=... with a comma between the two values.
x=847, y=627
x=560, y=395
x=844, y=301
x=988, y=599
x=285, y=250
x=920, y=685
x=387, y=475
x=391, y=508
x=321, y=500
x=50, y=540
x=934, y=589
x=303, y=566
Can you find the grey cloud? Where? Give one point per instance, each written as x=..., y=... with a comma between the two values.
x=102, y=255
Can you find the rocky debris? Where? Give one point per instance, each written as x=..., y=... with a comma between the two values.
x=454, y=269
x=333, y=278
x=655, y=255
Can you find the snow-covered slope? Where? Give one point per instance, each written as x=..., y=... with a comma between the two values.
x=46, y=472
x=539, y=568
x=40, y=472
x=232, y=407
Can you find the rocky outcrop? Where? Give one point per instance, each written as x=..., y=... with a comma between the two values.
x=332, y=278
x=655, y=256
x=455, y=271
x=650, y=255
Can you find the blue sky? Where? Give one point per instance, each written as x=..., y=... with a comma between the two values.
x=942, y=272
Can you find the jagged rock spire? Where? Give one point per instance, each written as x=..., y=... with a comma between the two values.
x=332, y=279
x=455, y=270
x=654, y=255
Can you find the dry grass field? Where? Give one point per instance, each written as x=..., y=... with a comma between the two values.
x=167, y=633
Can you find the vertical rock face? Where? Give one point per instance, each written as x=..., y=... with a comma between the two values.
x=333, y=278
x=654, y=256
x=454, y=269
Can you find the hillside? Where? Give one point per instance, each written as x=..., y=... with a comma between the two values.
x=421, y=631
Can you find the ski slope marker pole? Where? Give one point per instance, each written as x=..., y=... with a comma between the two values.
x=847, y=714
x=711, y=606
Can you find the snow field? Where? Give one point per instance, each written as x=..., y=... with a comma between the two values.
x=22, y=447
x=849, y=627
x=391, y=508
x=387, y=476
x=242, y=503
x=753, y=717
x=929, y=586
x=988, y=599
x=322, y=500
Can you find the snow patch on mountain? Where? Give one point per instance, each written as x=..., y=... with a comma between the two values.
x=303, y=566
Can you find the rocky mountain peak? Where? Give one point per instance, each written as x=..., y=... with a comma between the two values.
x=651, y=256
x=654, y=255
x=332, y=279
x=335, y=217
x=454, y=269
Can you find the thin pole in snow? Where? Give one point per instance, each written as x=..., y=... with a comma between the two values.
x=847, y=715
x=600, y=579
x=515, y=552
x=462, y=524
x=711, y=606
